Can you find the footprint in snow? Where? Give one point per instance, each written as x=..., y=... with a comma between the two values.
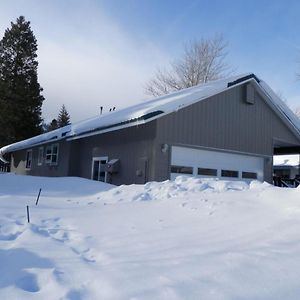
x=77, y=243
x=28, y=282
x=11, y=227
x=30, y=273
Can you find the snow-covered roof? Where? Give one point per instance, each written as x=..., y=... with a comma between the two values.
x=146, y=111
x=286, y=160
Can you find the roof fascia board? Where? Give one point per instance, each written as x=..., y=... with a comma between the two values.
x=275, y=108
x=97, y=132
x=37, y=144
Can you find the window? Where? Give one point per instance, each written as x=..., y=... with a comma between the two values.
x=207, y=172
x=229, y=173
x=41, y=156
x=52, y=154
x=28, y=159
x=48, y=154
x=249, y=175
x=181, y=170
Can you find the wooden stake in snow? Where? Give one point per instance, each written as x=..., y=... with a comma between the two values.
x=38, y=197
x=28, y=219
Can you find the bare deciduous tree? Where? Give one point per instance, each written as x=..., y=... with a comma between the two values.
x=297, y=111
x=202, y=61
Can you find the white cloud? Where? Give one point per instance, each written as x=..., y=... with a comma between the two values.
x=86, y=60
x=88, y=78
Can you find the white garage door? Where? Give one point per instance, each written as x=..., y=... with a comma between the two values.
x=206, y=163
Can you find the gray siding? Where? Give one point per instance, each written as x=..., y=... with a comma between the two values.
x=224, y=121
x=133, y=146
x=18, y=161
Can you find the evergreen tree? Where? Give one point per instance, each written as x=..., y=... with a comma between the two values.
x=63, y=117
x=51, y=126
x=20, y=92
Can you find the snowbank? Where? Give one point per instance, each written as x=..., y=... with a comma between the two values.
x=187, y=239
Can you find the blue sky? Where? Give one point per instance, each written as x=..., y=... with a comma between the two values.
x=94, y=53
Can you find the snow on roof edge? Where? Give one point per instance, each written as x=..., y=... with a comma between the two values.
x=165, y=104
x=281, y=106
x=292, y=160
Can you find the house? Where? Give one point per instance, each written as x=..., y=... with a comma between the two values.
x=287, y=166
x=226, y=128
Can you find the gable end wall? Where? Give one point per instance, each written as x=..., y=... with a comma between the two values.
x=224, y=121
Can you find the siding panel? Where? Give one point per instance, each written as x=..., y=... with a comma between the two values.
x=133, y=146
x=18, y=161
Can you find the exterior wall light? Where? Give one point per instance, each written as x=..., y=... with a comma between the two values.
x=164, y=148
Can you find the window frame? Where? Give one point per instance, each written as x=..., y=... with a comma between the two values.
x=188, y=170
x=28, y=155
x=99, y=158
x=248, y=175
x=230, y=176
x=49, y=160
x=55, y=154
x=40, y=157
x=206, y=172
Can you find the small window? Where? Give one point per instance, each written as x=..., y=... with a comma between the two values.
x=207, y=172
x=181, y=170
x=41, y=156
x=249, y=175
x=52, y=154
x=229, y=173
x=28, y=159
x=48, y=154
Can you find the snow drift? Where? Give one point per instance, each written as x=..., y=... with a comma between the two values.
x=183, y=239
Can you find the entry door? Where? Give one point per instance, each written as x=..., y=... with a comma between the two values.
x=142, y=171
x=98, y=169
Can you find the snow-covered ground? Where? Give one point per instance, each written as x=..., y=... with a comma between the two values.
x=187, y=239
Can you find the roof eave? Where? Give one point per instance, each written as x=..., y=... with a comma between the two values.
x=276, y=109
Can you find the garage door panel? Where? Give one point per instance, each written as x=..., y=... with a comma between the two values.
x=216, y=160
